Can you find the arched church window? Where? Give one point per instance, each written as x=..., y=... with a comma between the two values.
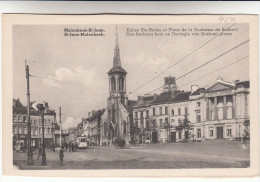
x=121, y=83
x=113, y=83
x=124, y=127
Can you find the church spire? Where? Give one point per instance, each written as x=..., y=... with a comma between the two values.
x=117, y=68
x=117, y=61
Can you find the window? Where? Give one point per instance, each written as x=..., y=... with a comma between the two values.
x=45, y=130
x=25, y=131
x=198, y=117
x=229, y=132
x=197, y=104
x=40, y=130
x=179, y=120
x=15, y=130
x=160, y=122
x=147, y=113
x=136, y=124
x=166, y=110
x=142, y=114
x=19, y=119
x=172, y=120
x=147, y=124
x=172, y=112
x=20, y=130
x=24, y=119
x=179, y=111
x=211, y=132
x=136, y=115
x=15, y=119
x=154, y=112
x=35, y=132
x=113, y=83
x=121, y=83
x=166, y=120
x=179, y=134
x=198, y=133
x=186, y=110
x=45, y=121
x=124, y=127
x=160, y=110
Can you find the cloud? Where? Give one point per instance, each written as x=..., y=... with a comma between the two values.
x=70, y=122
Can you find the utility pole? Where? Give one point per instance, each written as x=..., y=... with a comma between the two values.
x=60, y=127
x=29, y=153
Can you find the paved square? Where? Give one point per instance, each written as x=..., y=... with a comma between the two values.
x=152, y=156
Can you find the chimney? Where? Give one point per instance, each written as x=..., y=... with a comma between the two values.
x=194, y=88
x=219, y=78
x=154, y=96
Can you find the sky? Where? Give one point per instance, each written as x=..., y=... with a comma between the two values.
x=71, y=72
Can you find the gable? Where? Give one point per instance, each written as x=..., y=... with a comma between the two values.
x=219, y=86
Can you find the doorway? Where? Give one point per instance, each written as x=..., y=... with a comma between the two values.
x=154, y=137
x=220, y=132
x=173, y=136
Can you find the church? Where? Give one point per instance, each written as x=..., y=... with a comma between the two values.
x=116, y=121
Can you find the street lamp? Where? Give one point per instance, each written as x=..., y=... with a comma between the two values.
x=41, y=108
x=52, y=134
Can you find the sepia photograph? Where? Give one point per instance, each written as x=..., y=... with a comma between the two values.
x=112, y=95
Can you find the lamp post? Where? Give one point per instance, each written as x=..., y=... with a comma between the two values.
x=52, y=134
x=41, y=109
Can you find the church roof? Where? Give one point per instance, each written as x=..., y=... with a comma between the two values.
x=117, y=68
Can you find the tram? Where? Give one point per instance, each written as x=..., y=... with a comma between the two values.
x=82, y=142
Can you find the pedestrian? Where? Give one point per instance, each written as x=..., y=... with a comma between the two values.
x=244, y=139
x=53, y=147
x=39, y=152
x=70, y=146
x=76, y=147
x=66, y=146
x=61, y=156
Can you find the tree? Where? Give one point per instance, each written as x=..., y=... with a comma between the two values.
x=247, y=128
x=184, y=125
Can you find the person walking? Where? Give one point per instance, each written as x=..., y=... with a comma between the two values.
x=39, y=152
x=66, y=146
x=70, y=146
x=76, y=147
x=61, y=156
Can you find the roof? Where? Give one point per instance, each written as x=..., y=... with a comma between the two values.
x=117, y=69
x=169, y=97
x=245, y=84
x=18, y=107
x=198, y=92
x=95, y=115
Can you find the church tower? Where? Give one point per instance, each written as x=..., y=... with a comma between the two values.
x=117, y=93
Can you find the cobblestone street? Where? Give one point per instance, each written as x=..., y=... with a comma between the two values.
x=152, y=156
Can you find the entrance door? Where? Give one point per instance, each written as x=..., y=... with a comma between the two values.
x=173, y=136
x=154, y=137
x=186, y=134
x=220, y=132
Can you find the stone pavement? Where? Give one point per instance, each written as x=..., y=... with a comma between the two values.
x=152, y=156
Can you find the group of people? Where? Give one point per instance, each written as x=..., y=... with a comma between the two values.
x=73, y=147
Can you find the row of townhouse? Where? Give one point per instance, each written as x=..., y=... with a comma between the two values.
x=91, y=127
x=219, y=111
x=20, y=125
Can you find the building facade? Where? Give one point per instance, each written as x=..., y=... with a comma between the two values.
x=20, y=125
x=219, y=111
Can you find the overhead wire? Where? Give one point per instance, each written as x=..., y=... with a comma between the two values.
x=178, y=61
x=205, y=63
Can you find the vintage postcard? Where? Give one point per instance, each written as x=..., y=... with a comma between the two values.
x=130, y=95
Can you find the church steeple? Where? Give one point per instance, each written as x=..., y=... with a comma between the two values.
x=117, y=61
x=117, y=68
